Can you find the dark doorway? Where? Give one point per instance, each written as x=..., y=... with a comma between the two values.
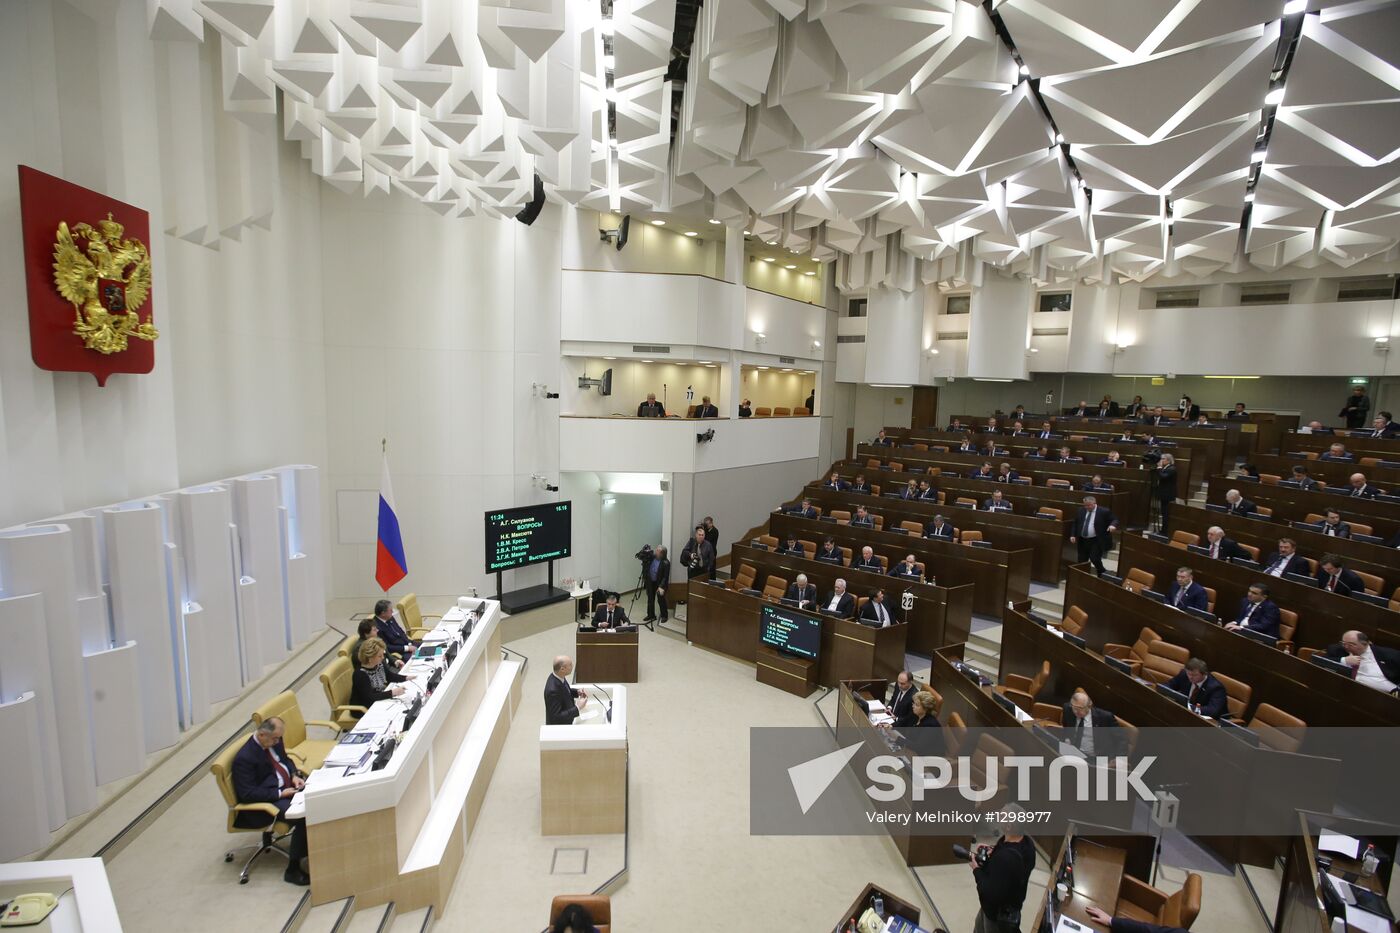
x=925, y=414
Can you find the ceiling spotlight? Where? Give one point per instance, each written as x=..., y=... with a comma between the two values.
x=691, y=233
x=1060, y=138
x=809, y=273
x=646, y=361
x=658, y=223
x=763, y=367
x=789, y=266
x=609, y=357
x=713, y=221
x=1258, y=155
x=1025, y=72
x=1274, y=97
x=817, y=344
x=767, y=258
x=1295, y=6
x=748, y=233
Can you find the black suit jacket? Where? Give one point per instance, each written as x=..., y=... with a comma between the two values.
x=1243, y=507
x=859, y=487
x=806, y=595
x=1107, y=736
x=707, y=411
x=831, y=557
x=1228, y=548
x=600, y=616
x=840, y=485
x=869, y=616
x=362, y=692
x=1102, y=519
x=1125, y=925
x=845, y=607
x=1195, y=597
x=1296, y=563
x=706, y=554
x=651, y=410
x=559, y=707
x=1367, y=492
x=901, y=704
x=875, y=565
x=945, y=532
x=1347, y=581
x=795, y=549
x=1387, y=658
x=1110, y=412
x=1210, y=695
x=800, y=512
x=255, y=781
x=992, y=505
x=1191, y=412
x=1343, y=529
x=1265, y=619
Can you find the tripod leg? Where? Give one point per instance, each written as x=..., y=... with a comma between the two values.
x=641, y=585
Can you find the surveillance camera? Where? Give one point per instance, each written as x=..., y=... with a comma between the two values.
x=549, y=488
x=551, y=395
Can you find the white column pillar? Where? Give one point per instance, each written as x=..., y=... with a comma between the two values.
x=1093, y=321
x=893, y=335
x=1000, y=328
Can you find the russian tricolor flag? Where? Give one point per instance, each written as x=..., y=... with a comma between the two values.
x=390, y=565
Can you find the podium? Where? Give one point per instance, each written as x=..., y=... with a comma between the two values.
x=583, y=768
x=606, y=657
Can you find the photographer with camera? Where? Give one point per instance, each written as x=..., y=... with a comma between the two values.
x=656, y=573
x=698, y=555
x=1001, y=872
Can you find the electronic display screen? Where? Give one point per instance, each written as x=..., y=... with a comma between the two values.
x=530, y=534
x=790, y=630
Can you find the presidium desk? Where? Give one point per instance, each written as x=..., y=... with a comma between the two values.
x=583, y=767
x=399, y=834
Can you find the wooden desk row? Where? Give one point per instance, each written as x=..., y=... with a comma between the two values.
x=1290, y=504
x=1100, y=862
x=942, y=614
x=1335, y=473
x=1317, y=696
x=1386, y=448
x=1384, y=562
x=727, y=621
x=1299, y=908
x=1322, y=616
x=1135, y=483
x=997, y=575
x=1045, y=538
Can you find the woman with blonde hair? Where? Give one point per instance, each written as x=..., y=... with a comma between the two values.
x=372, y=680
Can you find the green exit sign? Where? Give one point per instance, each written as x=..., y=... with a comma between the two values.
x=1359, y=380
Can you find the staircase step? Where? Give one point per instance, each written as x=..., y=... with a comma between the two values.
x=372, y=919
x=415, y=921
x=332, y=917
x=988, y=641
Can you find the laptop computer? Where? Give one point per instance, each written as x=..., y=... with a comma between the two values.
x=1180, y=699
x=1201, y=614
x=1153, y=594
x=1327, y=664
x=1118, y=664
x=1260, y=637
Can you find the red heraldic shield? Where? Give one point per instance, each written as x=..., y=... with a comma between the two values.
x=45, y=203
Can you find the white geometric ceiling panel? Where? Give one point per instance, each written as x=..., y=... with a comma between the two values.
x=898, y=131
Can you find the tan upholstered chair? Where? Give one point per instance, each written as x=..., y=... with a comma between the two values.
x=1022, y=690
x=743, y=578
x=774, y=588
x=599, y=907
x=970, y=536
x=273, y=830
x=1053, y=483
x=1139, y=901
x=763, y=412
x=1287, y=629
x=411, y=617
x=1373, y=583
x=1164, y=661
x=1074, y=621
x=1138, y=580
x=336, y=680
x=914, y=528
x=308, y=753
x=1238, y=694
x=770, y=540
x=1182, y=539
x=1057, y=514
x=1269, y=479
x=841, y=515
x=1357, y=528
x=1277, y=729
x=782, y=412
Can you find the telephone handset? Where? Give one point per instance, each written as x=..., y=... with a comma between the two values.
x=28, y=909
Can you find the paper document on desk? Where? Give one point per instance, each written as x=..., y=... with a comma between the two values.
x=1336, y=842
x=1022, y=715
x=348, y=756
x=875, y=706
x=881, y=719
x=437, y=636
x=1066, y=925
x=1367, y=922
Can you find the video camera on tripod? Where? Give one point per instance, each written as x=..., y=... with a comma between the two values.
x=646, y=554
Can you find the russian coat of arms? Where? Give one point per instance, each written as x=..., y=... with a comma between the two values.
x=106, y=277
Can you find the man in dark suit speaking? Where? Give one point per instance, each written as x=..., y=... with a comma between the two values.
x=611, y=615
x=1093, y=533
x=802, y=592
x=1092, y=730
x=263, y=774
x=1258, y=613
x=651, y=408
x=561, y=701
x=839, y=601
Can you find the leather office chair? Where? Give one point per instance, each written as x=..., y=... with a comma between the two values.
x=1131, y=732
x=762, y=412
x=1277, y=729
x=970, y=535
x=874, y=490
x=921, y=447
x=1139, y=901
x=1395, y=600
x=873, y=464
x=1269, y=479
x=896, y=466
x=845, y=555
x=808, y=547
x=782, y=412
x=1137, y=580
x=942, y=497
x=1022, y=690
x=1251, y=550
x=274, y=831
x=1305, y=654
x=934, y=472
x=1059, y=484
x=800, y=412
x=1057, y=514
x=1372, y=582
x=1287, y=629
x=775, y=588
x=954, y=733
x=1237, y=695
x=965, y=500
x=1074, y=621
x=1210, y=598
x=308, y=753
x=1047, y=714
x=1311, y=454
x=1182, y=539
x=343, y=649
x=939, y=448
x=770, y=540
x=1266, y=511
x=914, y=528
x=1312, y=518
x=937, y=697
x=1368, y=461
x=841, y=515
x=1164, y=661
x=336, y=681
x=411, y=617
x=744, y=578
x=599, y=907
x=1356, y=528
x=1312, y=566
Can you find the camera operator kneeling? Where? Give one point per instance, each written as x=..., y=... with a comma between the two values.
x=1002, y=872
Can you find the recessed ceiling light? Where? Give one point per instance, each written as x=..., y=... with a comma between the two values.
x=789, y=266
x=787, y=369
x=809, y=273
x=1249, y=196
x=763, y=367
x=691, y=233
x=748, y=233
x=1274, y=97
x=1059, y=137
x=767, y=258
x=704, y=362
x=1295, y=6
x=646, y=361
x=791, y=250
x=713, y=221
x=711, y=366
x=609, y=357
x=1258, y=155
x=1025, y=71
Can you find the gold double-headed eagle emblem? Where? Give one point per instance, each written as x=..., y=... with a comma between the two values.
x=107, y=279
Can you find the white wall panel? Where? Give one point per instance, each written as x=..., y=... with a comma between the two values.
x=999, y=328
x=205, y=514
x=309, y=538
x=39, y=559
x=115, y=698
x=789, y=327
x=250, y=628
x=138, y=568
x=669, y=446
x=256, y=503
x=627, y=307
x=27, y=672
x=24, y=803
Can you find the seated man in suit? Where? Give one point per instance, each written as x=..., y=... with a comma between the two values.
x=829, y=553
x=901, y=693
x=1221, y=547
x=1383, y=426
x=1285, y=560
x=911, y=490
x=1127, y=437
x=1067, y=456
x=1134, y=408
x=651, y=408
x=804, y=593
x=1360, y=489
x=1333, y=526
x=990, y=449
x=1258, y=612
x=1239, y=414
x=926, y=491
x=1303, y=478
x=610, y=614
x=1092, y=730
x=1095, y=483
x=1158, y=418
x=997, y=503
x=1201, y=422
x=839, y=601
x=860, y=484
x=1047, y=430
x=791, y=546
x=1376, y=667
x=705, y=409
x=803, y=509
x=263, y=773
x=1315, y=427
x=1018, y=413
x=1114, y=458
x=1082, y=410
x=985, y=471
x=1205, y=695
x=966, y=447
x=1237, y=504
x=992, y=427
x=909, y=568
x=1108, y=408
x=862, y=518
x=392, y=633
x=1007, y=475
x=834, y=481
x=1337, y=452
x=956, y=425
x=876, y=614
x=1040, y=453
x=867, y=561
x=939, y=528
x=1186, y=593
x=882, y=441
x=1017, y=429
x=1334, y=577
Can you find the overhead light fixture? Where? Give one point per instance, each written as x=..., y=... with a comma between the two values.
x=1295, y=6
x=1249, y=197
x=1025, y=72
x=789, y=266
x=791, y=250
x=658, y=223
x=809, y=273
x=787, y=369
x=748, y=233
x=767, y=258
x=893, y=385
x=1231, y=377
x=703, y=362
x=609, y=357
x=1274, y=97
x=1258, y=155
x=711, y=366
x=817, y=344
x=691, y=233
x=1033, y=349
x=933, y=350
x=713, y=221
x=763, y=367
x=989, y=379
x=1060, y=138
x=646, y=361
